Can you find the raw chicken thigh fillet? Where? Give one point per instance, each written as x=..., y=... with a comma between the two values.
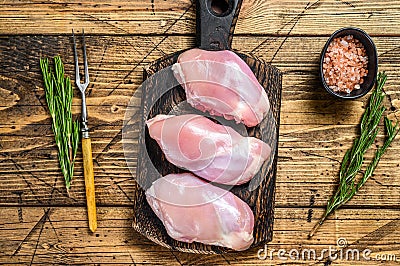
x=194, y=210
x=212, y=151
x=221, y=83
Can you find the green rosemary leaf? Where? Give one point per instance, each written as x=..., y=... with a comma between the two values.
x=392, y=132
x=59, y=94
x=353, y=160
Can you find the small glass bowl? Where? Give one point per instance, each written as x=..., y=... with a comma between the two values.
x=372, y=54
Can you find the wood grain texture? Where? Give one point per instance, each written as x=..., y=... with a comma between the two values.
x=123, y=38
x=88, y=173
x=122, y=17
x=63, y=237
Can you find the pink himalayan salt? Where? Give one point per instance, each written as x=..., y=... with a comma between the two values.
x=345, y=64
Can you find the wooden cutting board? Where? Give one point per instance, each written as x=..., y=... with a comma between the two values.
x=214, y=31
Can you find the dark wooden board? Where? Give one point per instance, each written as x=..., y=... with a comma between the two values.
x=213, y=32
x=260, y=200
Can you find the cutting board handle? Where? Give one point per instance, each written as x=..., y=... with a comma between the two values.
x=215, y=23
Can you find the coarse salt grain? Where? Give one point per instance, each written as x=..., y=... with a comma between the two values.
x=345, y=64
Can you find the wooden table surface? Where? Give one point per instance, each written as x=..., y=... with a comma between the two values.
x=41, y=224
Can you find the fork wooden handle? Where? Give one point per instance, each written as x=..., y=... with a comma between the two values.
x=89, y=182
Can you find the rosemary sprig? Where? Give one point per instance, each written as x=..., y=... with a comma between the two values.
x=354, y=157
x=58, y=90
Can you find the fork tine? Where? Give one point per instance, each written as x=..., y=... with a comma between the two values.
x=77, y=77
x=85, y=59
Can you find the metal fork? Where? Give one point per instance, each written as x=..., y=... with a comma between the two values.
x=86, y=141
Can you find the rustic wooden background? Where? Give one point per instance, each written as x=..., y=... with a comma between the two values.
x=40, y=224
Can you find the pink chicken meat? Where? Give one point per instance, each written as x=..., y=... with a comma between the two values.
x=221, y=83
x=212, y=151
x=194, y=210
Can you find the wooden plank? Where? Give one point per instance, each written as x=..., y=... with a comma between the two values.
x=297, y=85
x=63, y=237
x=301, y=168
x=116, y=63
x=28, y=182
x=38, y=169
x=177, y=17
